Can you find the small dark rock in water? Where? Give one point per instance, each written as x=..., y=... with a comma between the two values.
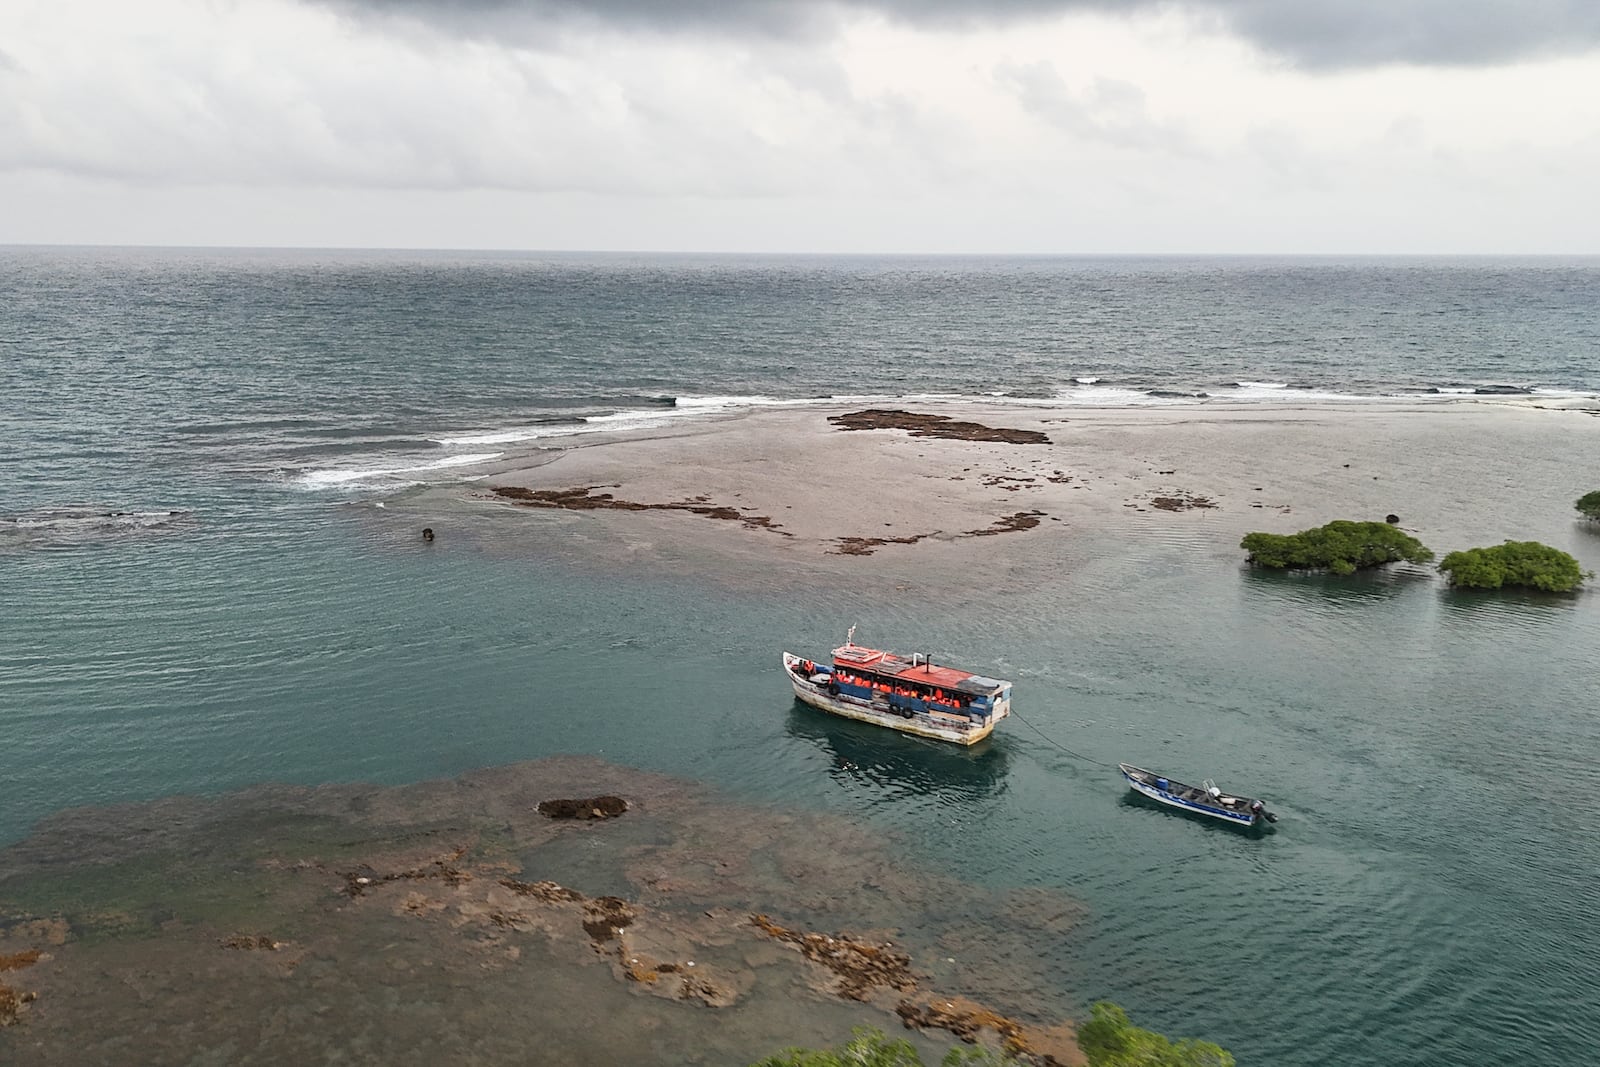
x=1181, y=503
x=1501, y=390
x=605, y=807
x=11, y=1001
x=251, y=942
x=1391, y=519
x=427, y=533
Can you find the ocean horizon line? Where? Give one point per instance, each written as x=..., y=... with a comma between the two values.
x=858, y=254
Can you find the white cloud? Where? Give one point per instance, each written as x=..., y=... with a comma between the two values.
x=271, y=121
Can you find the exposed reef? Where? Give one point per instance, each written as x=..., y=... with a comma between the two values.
x=920, y=425
x=969, y=1020
x=12, y=1000
x=11, y=1003
x=862, y=969
x=859, y=966
x=16, y=961
x=252, y=943
x=865, y=546
x=329, y=905
x=584, y=498
x=1181, y=502
x=358, y=881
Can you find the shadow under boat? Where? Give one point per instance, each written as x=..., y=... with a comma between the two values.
x=1130, y=799
x=863, y=753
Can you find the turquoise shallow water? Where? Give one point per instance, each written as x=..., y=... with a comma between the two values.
x=1425, y=898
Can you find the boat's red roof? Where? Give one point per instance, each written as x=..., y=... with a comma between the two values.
x=933, y=674
x=859, y=657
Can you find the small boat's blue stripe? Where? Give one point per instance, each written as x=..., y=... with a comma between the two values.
x=1179, y=802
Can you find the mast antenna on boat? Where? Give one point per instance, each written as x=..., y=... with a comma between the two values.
x=850, y=637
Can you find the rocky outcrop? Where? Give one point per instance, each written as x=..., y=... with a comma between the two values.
x=919, y=425
x=602, y=807
x=12, y=1000
x=862, y=969
x=859, y=966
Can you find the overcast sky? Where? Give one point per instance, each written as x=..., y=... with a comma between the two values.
x=790, y=125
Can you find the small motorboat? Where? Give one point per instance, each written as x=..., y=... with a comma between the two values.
x=1205, y=799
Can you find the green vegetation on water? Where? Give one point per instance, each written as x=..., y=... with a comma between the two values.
x=1108, y=1039
x=1515, y=563
x=1589, y=505
x=1341, y=546
x=870, y=1048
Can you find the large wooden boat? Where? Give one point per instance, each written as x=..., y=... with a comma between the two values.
x=914, y=695
x=1204, y=799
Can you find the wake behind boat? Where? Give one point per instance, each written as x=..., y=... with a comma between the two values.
x=1204, y=799
x=910, y=695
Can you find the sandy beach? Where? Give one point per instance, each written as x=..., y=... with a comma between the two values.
x=795, y=485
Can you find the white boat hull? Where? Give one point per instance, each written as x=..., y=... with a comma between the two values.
x=880, y=714
x=1213, y=809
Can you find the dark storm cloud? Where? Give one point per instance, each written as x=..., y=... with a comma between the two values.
x=1324, y=35
x=1360, y=33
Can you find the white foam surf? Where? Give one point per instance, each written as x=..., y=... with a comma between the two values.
x=88, y=518
x=388, y=476
x=503, y=437
x=1083, y=391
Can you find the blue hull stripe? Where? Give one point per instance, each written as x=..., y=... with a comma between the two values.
x=1179, y=802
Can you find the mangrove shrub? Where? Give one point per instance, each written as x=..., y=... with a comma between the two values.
x=1108, y=1039
x=1515, y=563
x=1589, y=505
x=870, y=1048
x=1342, y=547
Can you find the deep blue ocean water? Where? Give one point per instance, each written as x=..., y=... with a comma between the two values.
x=196, y=598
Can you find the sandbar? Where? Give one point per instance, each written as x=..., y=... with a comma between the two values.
x=826, y=483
